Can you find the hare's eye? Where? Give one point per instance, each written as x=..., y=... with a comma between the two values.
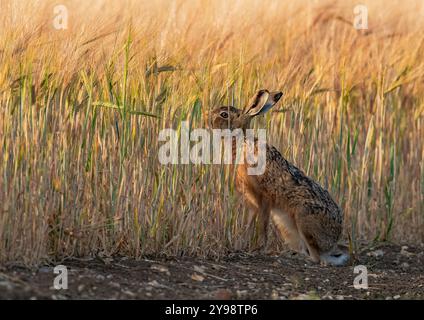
x=224, y=114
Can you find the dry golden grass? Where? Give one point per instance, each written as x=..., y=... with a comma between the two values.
x=79, y=177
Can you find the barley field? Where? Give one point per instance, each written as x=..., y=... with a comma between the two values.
x=81, y=109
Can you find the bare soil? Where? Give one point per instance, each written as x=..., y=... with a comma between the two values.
x=394, y=272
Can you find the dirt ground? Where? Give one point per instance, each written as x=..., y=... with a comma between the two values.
x=394, y=272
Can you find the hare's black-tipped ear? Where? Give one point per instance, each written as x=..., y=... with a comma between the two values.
x=262, y=102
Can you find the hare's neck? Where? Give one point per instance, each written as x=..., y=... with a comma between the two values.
x=237, y=146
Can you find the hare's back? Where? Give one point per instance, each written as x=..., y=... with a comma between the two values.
x=289, y=184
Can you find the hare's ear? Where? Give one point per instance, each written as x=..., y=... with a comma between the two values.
x=262, y=102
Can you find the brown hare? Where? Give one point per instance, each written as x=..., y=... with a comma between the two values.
x=304, y=213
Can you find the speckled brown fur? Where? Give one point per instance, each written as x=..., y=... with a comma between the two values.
x=303, y=211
